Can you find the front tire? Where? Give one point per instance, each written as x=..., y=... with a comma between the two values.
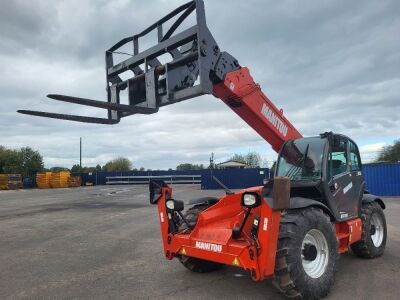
x=307, y=254
x=374, y=232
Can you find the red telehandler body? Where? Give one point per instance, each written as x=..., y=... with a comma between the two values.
x=294, y=227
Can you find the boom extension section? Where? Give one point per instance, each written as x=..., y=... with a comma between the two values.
x=185, y=62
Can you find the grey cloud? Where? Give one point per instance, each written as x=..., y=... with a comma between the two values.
x=331, y=65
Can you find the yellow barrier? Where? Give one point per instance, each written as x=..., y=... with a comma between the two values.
x=60, y=179
x=10, y=181
x=43, y=180
x=55, y=180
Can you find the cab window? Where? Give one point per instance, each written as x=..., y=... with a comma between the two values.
x=301, y=159
x=355, y=164
x=338, y=157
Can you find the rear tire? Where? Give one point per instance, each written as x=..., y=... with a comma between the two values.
x=374, y=232
x=195, y=264
x=307, y=254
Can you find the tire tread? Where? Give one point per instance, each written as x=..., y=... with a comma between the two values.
x=284, y=277
x=365, y=248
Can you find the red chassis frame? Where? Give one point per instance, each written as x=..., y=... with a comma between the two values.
x=211, y=238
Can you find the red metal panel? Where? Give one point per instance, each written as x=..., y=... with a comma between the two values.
x=212, y=240
x=246, y=99
x=348, y=232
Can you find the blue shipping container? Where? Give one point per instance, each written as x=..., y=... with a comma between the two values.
x=382, y=179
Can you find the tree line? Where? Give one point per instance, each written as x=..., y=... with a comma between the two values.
x=390, y=153
x=28, y=162
x=251, y=159
x=24, y=161
x=119, y=164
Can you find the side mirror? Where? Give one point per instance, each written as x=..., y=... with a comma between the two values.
x=155, y=187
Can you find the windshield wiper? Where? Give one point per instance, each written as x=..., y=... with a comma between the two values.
x=304, y=159
x=295, y=170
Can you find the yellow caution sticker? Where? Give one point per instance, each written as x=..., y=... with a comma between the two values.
x=183, y=251
x=236, y=262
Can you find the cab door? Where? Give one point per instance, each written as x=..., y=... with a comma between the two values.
x=358, y=182
x=340, y=179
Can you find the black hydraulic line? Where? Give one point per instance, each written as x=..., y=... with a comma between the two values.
x=236, y=233
x=245, y=219
x=184, y=219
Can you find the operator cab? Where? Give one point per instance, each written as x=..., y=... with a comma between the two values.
x=326, y=168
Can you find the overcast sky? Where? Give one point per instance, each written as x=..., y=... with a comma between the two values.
x=331, y=65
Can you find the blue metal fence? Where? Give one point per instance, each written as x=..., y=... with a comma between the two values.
x=232, y=178
x=381, y=179
x=100, y=178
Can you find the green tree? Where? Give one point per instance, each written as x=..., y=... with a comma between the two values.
x=238, y=158
x=4, y=158
x=23, y=161
x=11, y=161
x=58, y=169
x=188, y=166
x=120, y=164
x=30, y=161
x=251, y=159
x=89, y=169
x=390, y=153
x=75, y=169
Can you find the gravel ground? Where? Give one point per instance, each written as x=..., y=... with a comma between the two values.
x=104, y=242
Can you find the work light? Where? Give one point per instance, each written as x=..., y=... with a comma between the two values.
x=170, y=204
x=174, y=205
x=250, y=200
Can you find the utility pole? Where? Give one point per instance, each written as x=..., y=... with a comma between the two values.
x=212, y=160
x=80, y=155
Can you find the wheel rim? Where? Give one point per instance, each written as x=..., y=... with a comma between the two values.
x=314, y=253
x=377, y=224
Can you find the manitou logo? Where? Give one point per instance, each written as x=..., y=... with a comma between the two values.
x=208, y=246
x=274, y=120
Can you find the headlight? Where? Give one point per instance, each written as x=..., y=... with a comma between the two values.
x=170, y=204
x=174, y=205
x=251, y=200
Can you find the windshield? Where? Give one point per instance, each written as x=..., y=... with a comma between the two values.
x=302, y=159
